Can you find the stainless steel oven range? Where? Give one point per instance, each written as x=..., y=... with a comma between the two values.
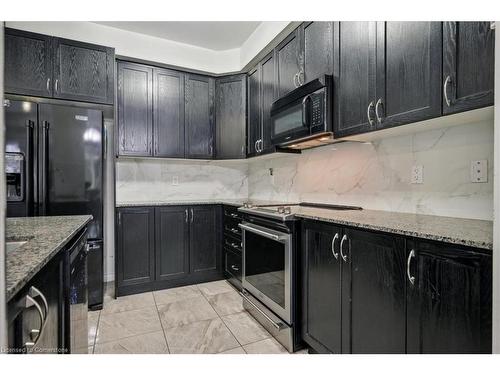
x=269, y=274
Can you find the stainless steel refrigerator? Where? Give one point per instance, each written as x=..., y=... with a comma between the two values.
x=54, y=166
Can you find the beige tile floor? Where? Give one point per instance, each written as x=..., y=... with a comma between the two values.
x=203, y=318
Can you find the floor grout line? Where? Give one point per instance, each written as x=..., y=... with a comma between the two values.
x=161, y=324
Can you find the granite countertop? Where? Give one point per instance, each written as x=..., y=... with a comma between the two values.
x=467, y=232
x=45, y=236
x=231, y=202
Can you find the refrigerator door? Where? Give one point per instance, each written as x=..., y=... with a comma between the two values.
x=95, y=275
x=20, y=133
x=70, y=163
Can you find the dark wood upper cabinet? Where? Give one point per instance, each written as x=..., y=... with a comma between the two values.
x=449, y=300
x=135, y=109
x=268, y=93
x=28, y=63
x=204, y=239
x=373, y=293
x=318, y=50
x=83, y=71
x=254, y=125
x=168, y=113
x=199, y=118
x=409, y=56
x=230, y=115
x=468, y=65
x=321, y=287
x=172, y=242
x=289, y=60
x=355, y=76
x=135, y=243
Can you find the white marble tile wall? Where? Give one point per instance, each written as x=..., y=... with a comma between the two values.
x=377, y=175
x=139, y=180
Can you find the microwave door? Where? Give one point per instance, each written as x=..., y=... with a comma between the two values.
x=292, y=122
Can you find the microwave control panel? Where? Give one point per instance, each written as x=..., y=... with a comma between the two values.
x=317, y=110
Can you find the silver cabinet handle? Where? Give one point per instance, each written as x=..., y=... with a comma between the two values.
x=379, y=103
x=335, y=238
x=344, y=238
x=370, y=106
x=186, y=215
x=445, y=90
x=56, y=85
x=260, y=145
x=234, y=268
x=48, y=84
x=408, y=263
x=34, y=292
x=256, y=149
x=30, y=301
x=295, y=79
x=300, y=77
x=192, y=215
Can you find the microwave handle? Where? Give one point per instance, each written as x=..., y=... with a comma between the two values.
x=305, y=111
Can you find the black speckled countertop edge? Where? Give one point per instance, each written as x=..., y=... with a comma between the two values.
x=45, y=237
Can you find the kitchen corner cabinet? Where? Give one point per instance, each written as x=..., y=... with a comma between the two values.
x=135, y=265
x=449, y=299
x=468, y=65
x=167, y=246
x=230, y=114
x=168, y=113
x=42, y=65
x=370, y=292
x=199, y=117
x=135, y=107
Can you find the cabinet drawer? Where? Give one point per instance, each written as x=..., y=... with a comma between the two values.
x=232, y=229
x=231, y=213
x=230, y=243
x=232, y=264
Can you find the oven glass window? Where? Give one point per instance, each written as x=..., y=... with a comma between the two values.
x=265, y=266
x=288, y=120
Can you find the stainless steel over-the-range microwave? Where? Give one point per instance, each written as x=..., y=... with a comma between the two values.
x=303, y=118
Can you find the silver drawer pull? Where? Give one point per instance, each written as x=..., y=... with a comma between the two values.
x=278, y=326
x=335, y=238
x=344, y=238
x=35, y=334
x=408, y=264
x=234, y=268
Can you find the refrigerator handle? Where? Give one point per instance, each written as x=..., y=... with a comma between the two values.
x=28, y=171
x=44, y=169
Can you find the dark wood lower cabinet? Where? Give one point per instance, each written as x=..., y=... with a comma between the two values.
x=321, y=299
x=167, y=246
x=135, y=255
x=449, y=300
x=371, y=292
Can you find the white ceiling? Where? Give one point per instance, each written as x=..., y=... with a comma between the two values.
x=214, y=35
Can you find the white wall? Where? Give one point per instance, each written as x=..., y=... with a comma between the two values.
x=159, y=50
x=377, y=175
x=496, y=222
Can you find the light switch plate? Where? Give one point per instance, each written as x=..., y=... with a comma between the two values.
x=417, y=174
x=479, y=171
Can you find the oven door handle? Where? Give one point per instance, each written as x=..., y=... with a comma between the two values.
x=278, y=326
x=255, y=229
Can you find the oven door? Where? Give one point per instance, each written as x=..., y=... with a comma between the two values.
x=266, y=267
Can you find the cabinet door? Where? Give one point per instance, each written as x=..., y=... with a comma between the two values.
x=373, y=293
x=83, y=71
x=449, y=300
x=355, y=69
x=254, y=129
x=135, y=108
x=199, y=121
x=321, y=287
x=172, y=246
x=289, y=63
x=204, y=240
x=28, y=63
x=268, y=92
x=135, y=250
x=318, y=49
x=230, y=116
x=409, y=60
x=168, y=115
x=468, y=65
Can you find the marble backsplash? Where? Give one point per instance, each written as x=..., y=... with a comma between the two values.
x=377, y=175
x=139, y=180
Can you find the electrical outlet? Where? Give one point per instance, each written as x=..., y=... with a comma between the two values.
x=479, y=171
x=175, y=180
x=417, y=174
